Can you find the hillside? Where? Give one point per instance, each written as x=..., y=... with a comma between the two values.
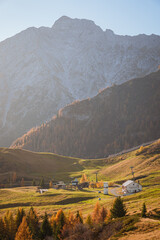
x=146, y=163
x=31, y=165
x=44, y=69
x=118, y=118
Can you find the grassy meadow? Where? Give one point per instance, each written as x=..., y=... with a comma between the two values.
x=115, y=170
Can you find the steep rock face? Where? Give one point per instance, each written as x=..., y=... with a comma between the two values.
x=42, y=70
x=120, y=117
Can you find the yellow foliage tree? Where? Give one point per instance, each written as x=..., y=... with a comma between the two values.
x=83, y=178
x=71, y=219
x=23, y=232
x=102, y=214
x=51, y=184
x=89, y=220
x=96, y=213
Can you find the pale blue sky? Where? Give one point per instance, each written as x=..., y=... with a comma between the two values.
x=125, y=17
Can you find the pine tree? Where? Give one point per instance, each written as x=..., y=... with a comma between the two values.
x=46, y=229
x=79, y=218
x=118, y=209
x=23, y=232
x=144, y=210
x=19, y=216
x=33, y=223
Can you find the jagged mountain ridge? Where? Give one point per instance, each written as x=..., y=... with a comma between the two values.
x=44, y=69
x=118, y=118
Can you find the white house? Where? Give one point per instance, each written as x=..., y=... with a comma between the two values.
x=131, y=187
x=75, y=182
x=43, y=190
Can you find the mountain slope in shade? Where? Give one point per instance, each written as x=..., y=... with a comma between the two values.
x=44, y=69
x=29, y=165
x=118, y=118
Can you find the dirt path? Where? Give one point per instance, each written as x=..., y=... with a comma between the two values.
x=115, y=191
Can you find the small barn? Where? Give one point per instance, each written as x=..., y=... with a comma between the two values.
x=60, y=185
x=131, y=186
x=75, y=182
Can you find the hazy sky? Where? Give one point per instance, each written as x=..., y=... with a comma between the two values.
x=125, y=17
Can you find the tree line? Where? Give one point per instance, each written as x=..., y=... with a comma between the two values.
x=29, y=226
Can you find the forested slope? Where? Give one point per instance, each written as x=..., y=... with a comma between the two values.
x=118, y=118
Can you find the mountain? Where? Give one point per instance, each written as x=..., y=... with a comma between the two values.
x=44, y=69
x=118, y=118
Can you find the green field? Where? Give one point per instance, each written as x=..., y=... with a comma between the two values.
x=146, y=163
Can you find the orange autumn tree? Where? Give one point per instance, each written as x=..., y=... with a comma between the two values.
x=83, y=178
x=96, y=213
x=102, y=214
x=23, y=232
x=99, y=184
x=51, y=184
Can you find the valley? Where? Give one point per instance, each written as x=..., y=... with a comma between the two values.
x=114, y=170
x=80, y=121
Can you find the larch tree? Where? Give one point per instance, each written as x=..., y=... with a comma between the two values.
x=83, y=178
x=19, y=216
x=96, y=212
x=23, y=232
x=60, y=222
x=10, y=226
x=51, y=184
x=89, y=221
x=102, y=214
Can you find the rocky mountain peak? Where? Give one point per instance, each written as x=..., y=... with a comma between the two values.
x=44, y=69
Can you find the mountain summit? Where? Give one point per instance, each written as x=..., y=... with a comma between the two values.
x=44, y=69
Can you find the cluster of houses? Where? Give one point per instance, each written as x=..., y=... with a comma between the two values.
x=128, y=187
